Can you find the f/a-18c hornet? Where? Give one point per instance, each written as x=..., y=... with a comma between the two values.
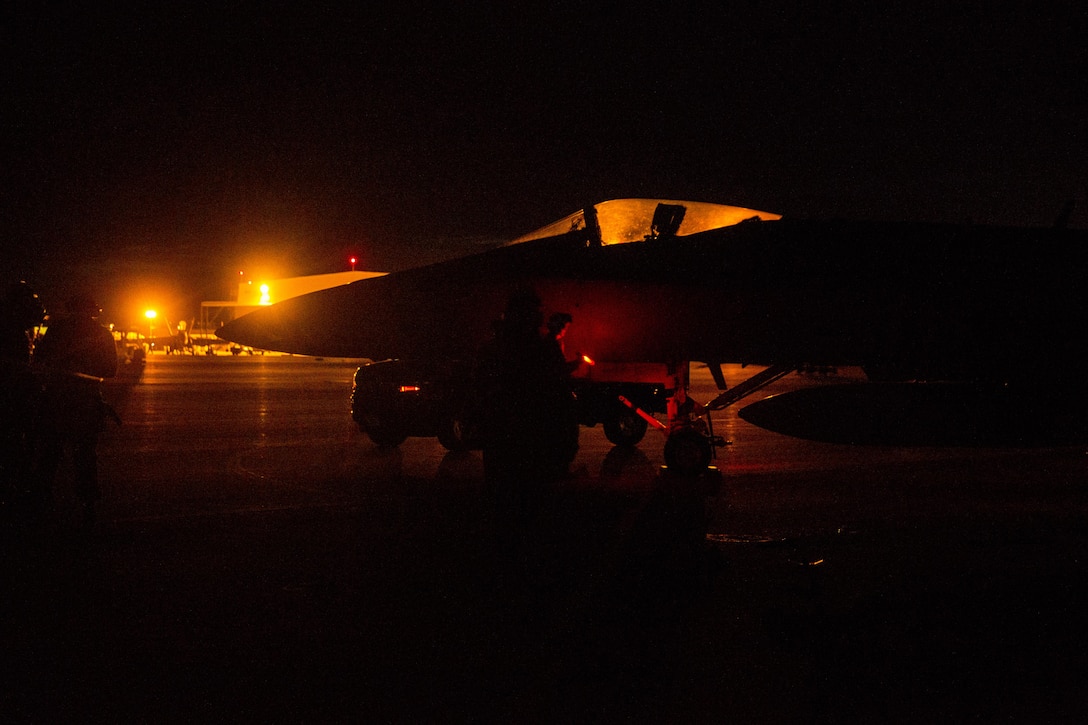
x=969, y=335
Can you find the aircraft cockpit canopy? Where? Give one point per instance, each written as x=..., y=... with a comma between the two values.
x=635, y=220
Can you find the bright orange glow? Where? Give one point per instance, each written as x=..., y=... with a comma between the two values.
x=261, y=256
x=151, y=314
x=588, y=360
x=276, y=290
x=629, y=220
x=135, y=294
x=409, y=388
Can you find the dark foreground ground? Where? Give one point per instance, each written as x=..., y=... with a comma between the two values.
x=257, y=559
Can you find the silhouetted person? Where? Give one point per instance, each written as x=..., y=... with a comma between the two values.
x=525, y=400
x=557, y=325
x=22, y=312
x=72, y=357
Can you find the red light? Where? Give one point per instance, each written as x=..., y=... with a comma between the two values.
x=588, y=360
x=409, y=388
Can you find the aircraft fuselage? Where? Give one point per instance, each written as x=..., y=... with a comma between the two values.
x=907, y=301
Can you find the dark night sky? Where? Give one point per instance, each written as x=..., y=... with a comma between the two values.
x=157, y=152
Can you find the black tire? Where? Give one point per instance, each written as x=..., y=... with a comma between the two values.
x=626, y=429
x=688, y=452
x=384, y=434
x=455, y=434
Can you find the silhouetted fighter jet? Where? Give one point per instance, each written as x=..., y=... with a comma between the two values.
x=970, y=334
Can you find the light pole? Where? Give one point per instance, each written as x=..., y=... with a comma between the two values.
x=150, y=315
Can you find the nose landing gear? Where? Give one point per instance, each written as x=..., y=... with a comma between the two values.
x=690, y=443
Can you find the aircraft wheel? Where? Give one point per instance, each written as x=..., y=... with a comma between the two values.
x=626, y=429
x=687, y=452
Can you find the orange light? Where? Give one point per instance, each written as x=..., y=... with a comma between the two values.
x=409, y=388
x=588, y=360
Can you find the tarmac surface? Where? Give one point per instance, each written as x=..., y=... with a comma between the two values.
x=257, y=559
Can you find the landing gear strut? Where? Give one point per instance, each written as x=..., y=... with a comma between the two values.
x=690, y=443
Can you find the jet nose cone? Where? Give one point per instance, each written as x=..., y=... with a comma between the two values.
x=253, y=329
x=230, y=331
x=324, y=323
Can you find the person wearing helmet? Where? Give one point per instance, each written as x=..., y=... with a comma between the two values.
x=524, y=393
x=73, y=357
